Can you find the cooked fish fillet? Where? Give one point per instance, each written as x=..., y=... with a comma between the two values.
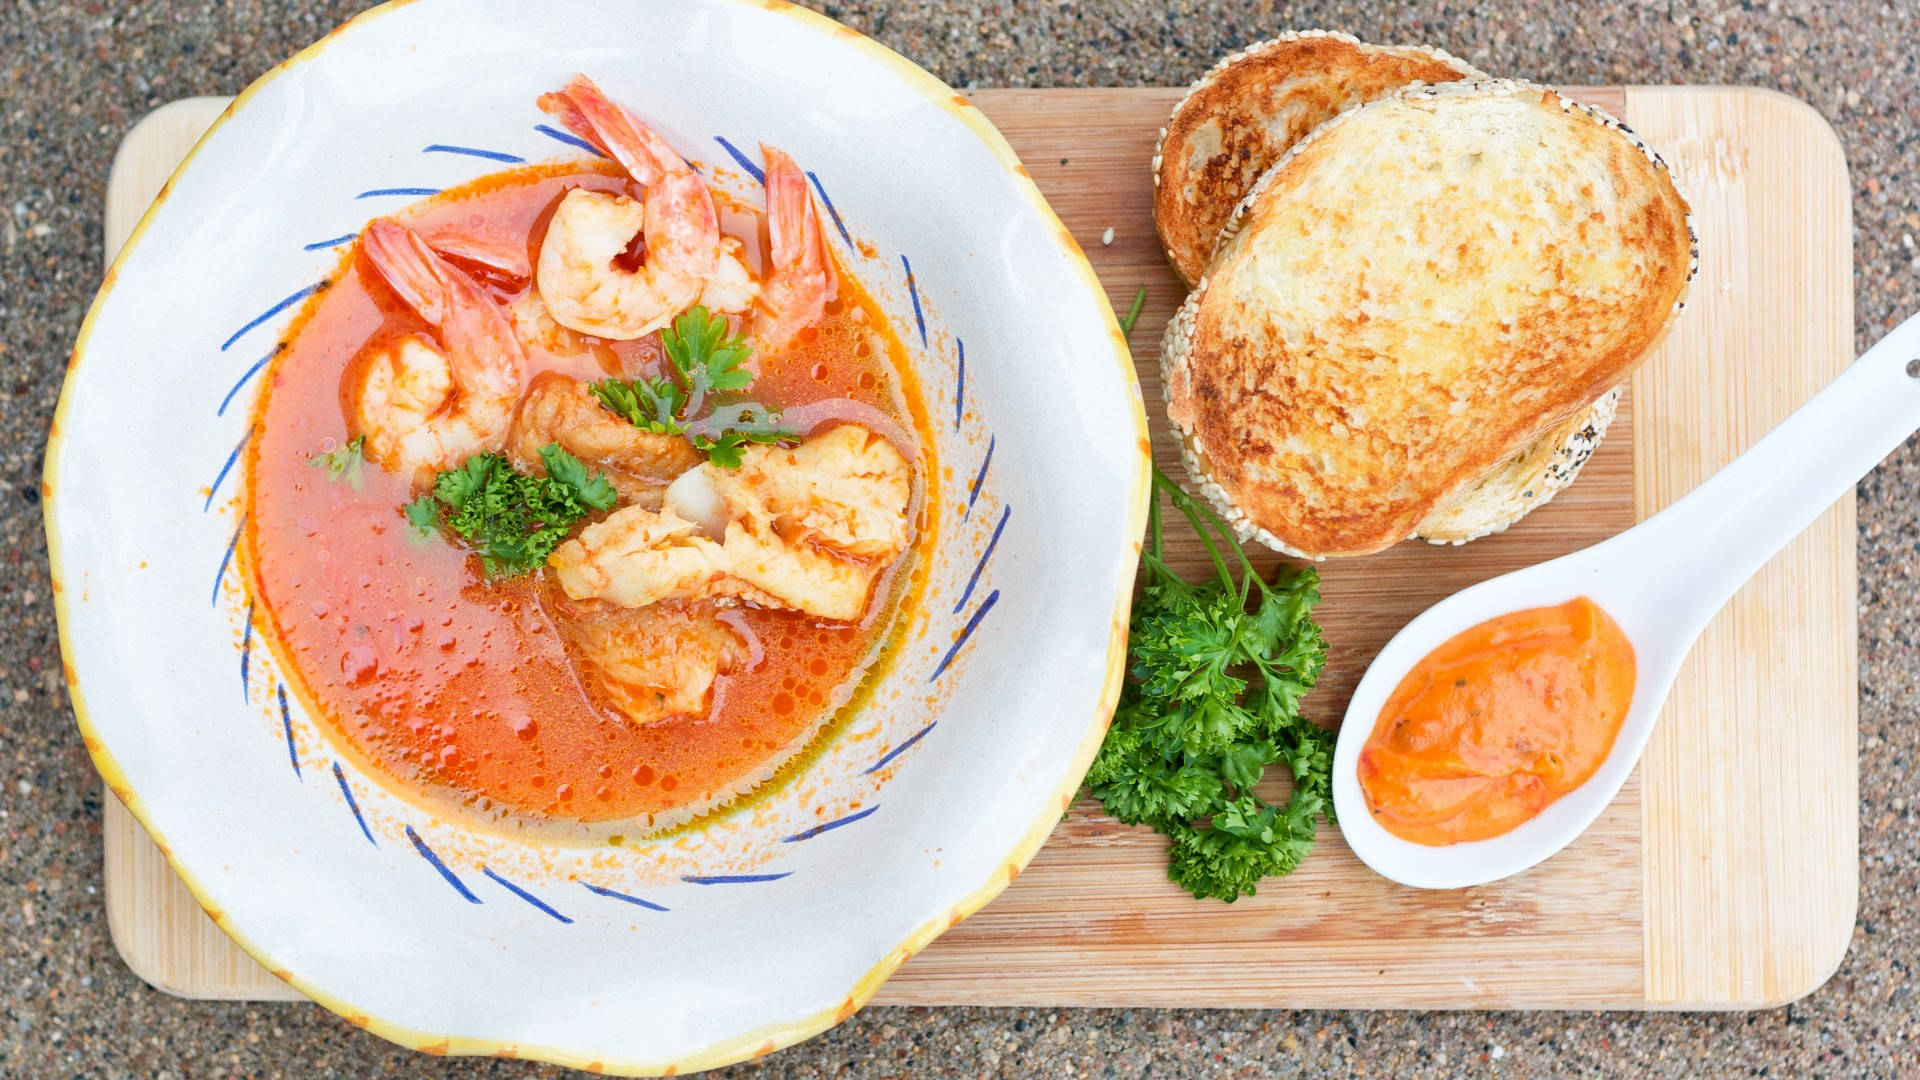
x=1242, y=115
x=1416, y=293
x=772, y=572
x=808, y=528
x=811, y=527
x=846, y=488
x=639, y=557
x=559, y=408
x=652, y=662
x=635, y=556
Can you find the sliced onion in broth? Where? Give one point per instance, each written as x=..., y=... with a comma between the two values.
x=805, y=419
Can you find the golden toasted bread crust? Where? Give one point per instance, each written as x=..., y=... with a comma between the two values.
x=1418, y=291
x=1523, y=483
x=1242, y=115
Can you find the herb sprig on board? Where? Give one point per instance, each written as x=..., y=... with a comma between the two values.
x=1133, y=311
x=511, y=520
x=705, y=361
x=1217, y=673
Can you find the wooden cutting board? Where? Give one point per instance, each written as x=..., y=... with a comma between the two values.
x=1723, y=876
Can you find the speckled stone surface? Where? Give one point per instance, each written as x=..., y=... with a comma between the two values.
x=75, y=76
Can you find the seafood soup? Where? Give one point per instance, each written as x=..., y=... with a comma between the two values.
x=585, y=496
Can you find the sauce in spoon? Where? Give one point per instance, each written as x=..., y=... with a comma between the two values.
x=1497, y=723
x=1662, y=580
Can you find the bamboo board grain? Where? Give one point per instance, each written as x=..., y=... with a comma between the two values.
x=1724, y=875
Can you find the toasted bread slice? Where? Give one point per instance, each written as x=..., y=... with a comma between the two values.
x=1523, y=483
x=1421, y=289
x=1241, y=116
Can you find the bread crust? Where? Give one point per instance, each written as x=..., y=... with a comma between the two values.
x=1417, y=292
x=1523, y=483
x=1247, y=110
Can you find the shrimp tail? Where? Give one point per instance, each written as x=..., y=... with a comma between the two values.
x=793, y=224
x=500, y=260
x=800, y=273
x=559, y=105
x=583, y=109
x=470, y=324
x=411, y=268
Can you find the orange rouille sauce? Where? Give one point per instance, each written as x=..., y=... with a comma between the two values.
x=459, y=689
x=1498, y=722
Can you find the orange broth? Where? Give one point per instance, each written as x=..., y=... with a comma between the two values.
x=457, y=688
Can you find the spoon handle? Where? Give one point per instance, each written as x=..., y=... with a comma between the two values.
x=1721, y=533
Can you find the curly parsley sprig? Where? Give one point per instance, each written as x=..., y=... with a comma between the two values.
x=705, y=361
x=511, y=520
x=1218, y=670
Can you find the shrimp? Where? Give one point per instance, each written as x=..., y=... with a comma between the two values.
x=546, y=342
x=425, y=404
x=800, y=277
x=640, y=464
x=581, y=273
x=654, y=662
x=731, y=290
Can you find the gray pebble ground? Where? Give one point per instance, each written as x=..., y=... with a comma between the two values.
x=74, y=76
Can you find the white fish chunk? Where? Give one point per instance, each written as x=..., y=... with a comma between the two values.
x=846, y=488
x=807, y=529
x=557, y=408
x=638, y=556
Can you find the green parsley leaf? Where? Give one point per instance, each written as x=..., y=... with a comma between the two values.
x=457, y=487
x=344, y=461
x=723, y=451
x=423, y=518
x=705, y=362
x=593, y=491
x=706, y=358
x=511, y=520
x=735, y=426
x=1217, y=672
x=650, y=403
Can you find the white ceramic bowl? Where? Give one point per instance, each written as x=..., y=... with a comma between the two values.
x=760, y=927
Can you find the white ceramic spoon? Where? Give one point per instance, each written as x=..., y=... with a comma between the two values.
x=1661, y=580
